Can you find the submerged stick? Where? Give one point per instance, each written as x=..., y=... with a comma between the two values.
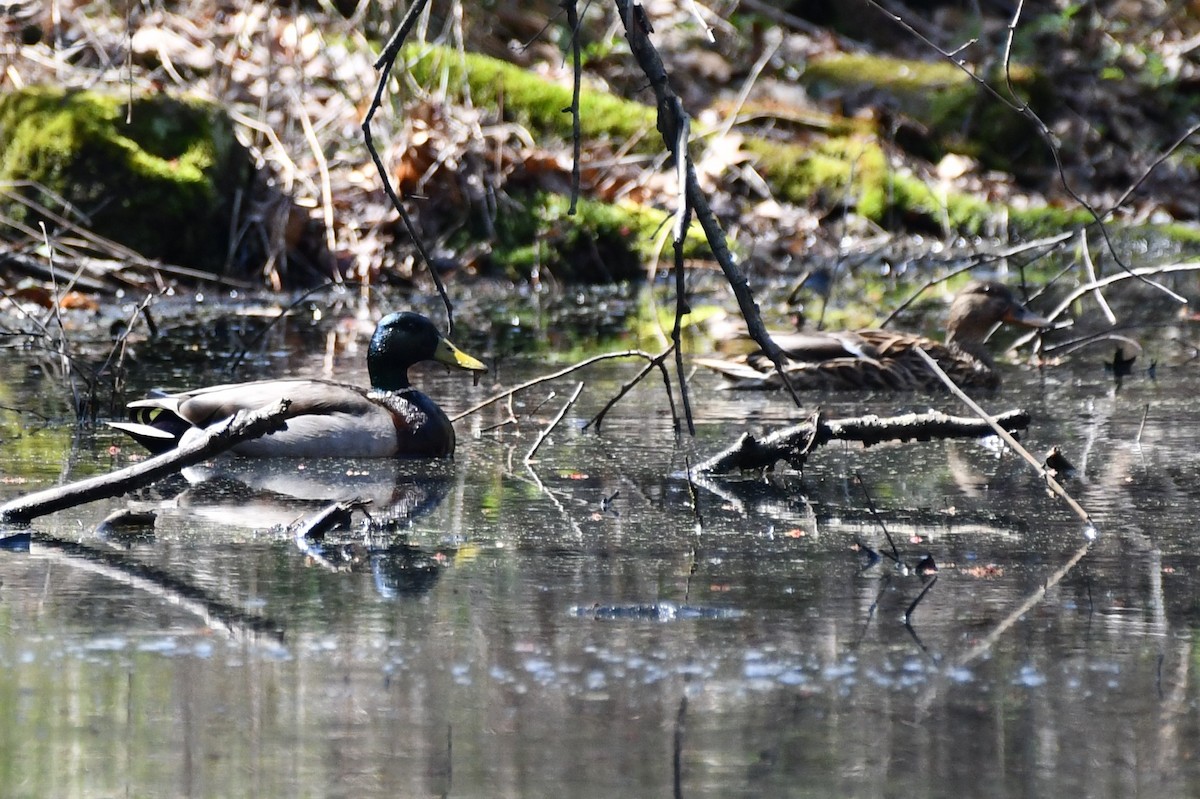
x=794, y=443
x=217, y=439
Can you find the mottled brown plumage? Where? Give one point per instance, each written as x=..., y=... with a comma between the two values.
x=887, y=359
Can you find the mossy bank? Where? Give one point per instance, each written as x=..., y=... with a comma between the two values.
x=158, y=175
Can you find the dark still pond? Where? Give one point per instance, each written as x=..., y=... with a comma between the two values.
x=591, y=625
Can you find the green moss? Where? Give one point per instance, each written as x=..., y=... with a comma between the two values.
x=532, y=100
x=801, y=174
x=159, y=184
x=1183, y=233
x=847, y=165
x=957, y=113
x=973, y=122
x=1046, y=221
x=915, y=81
x=855, y=170
x=601, y=242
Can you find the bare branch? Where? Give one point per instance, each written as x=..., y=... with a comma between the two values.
x=215, y=440
x=553, y=423
x=1043, y=131
x=384, y=63
x=671, y=118
x=577, y=75
x=1008, y=439
x=794, y=443
x=554, y=376
x=656, y=361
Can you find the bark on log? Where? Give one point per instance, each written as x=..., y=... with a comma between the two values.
x=792, y=444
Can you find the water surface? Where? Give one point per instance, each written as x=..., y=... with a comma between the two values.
x=590, y=625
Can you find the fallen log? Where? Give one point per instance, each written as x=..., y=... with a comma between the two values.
x=215, y=440
x=792, y=444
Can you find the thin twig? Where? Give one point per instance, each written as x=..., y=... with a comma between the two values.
x=284, y=312
x=553, y=423
x=314, y=144
x=671, y=116
x=1008, y=439
x=1044, y=133
x=384, y=64
x=1138, y=273
x=56, y=312
x=511, y=419
x=607, y=356
x=656, y=361
x=1050, y=242
x=116, y=354
x=577, y=76
x=1090, y=269
x=683, y=219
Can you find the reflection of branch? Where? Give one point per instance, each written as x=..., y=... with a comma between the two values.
x=793, y=443
x=985, y=644
x=286, y=311
x=677, y=747
x=215, y=612
x=1013, y=444
x=537, y=481
x=1017, y=613
x=213, y=441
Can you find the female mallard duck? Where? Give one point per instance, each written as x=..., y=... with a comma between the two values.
x=389, y=420
x=885, y=359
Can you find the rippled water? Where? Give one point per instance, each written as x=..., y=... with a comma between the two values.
x=587, y=626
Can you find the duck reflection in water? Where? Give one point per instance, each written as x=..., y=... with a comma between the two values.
x=260, y=494
x=387, y=497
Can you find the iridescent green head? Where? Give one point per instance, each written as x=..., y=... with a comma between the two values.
x=405, y=338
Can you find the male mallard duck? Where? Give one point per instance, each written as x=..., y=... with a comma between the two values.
x=390, y=419
x=885, y=359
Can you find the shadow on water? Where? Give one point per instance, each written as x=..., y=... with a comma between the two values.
x=593, y=625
